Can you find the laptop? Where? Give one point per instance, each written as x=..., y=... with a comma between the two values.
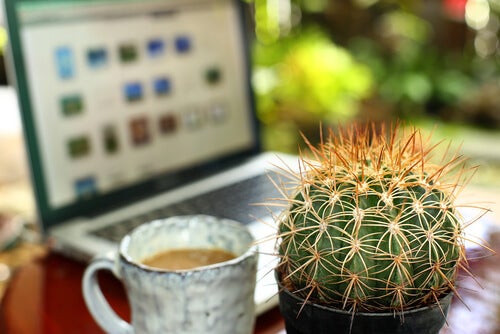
x=135, y=110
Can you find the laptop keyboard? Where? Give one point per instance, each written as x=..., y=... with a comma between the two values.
x=233, y=201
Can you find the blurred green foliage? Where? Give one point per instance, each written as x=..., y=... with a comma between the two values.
x=332, y=61
x=304, y=80
x=416, y=79
x=309, y=74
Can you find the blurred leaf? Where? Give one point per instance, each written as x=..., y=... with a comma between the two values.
x=310, y=75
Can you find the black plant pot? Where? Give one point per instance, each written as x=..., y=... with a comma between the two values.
x=316, y=319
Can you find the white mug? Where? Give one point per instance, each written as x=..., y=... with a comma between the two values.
x=217, y=299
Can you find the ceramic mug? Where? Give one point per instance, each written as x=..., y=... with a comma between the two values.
x=218, y=298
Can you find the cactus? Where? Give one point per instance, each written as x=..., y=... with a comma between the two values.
x=370, y=223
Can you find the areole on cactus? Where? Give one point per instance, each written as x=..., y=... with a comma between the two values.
x=370, y=222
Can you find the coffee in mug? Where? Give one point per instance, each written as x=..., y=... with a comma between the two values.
x=215, y=295
x=188, y=258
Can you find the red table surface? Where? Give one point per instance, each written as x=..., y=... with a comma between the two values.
x=44, y=297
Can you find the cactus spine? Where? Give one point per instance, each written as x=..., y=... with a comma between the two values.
x=370, y=223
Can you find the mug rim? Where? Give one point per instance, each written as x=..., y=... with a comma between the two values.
x=252, y=249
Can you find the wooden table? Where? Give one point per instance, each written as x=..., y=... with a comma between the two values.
x=44, y=297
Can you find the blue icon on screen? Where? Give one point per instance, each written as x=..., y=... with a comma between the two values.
x=162, y=86
x=133, y=91
x=97, y=57
x=156, y=47
x=182, y=44
x=85, y=187
x=65, y=62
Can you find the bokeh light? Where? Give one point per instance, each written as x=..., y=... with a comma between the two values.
x=477, y=13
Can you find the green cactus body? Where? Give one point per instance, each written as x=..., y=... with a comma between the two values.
x=375, y=233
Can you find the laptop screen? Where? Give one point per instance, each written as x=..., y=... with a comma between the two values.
x=126, y=98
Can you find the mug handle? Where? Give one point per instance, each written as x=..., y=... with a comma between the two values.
x=95, y=300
